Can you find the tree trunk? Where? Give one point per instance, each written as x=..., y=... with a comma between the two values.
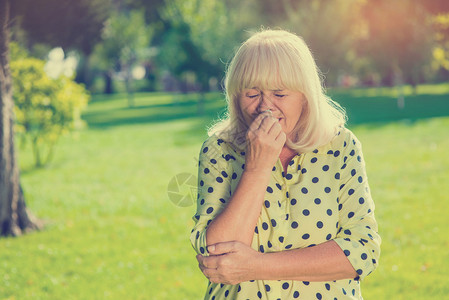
x=14, y=216
x=108, y=83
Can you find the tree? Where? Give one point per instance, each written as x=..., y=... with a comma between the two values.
x=15, y=219
x=198, y=43
x=398, y=40
x=72, y=25
x=125, y=43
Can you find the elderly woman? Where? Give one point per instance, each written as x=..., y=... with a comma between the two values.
x=284, y=208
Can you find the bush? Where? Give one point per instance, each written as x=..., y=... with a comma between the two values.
x=45, y=108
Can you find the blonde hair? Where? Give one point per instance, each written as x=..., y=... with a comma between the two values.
x=277, y=59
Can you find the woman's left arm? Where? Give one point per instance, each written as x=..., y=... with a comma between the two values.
x=234, y=262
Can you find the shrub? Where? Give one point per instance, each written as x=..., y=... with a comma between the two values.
x=45, y=108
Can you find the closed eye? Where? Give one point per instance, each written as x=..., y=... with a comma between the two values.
x=252, y=96
x=280, y=95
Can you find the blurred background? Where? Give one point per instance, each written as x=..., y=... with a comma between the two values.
x=112, y=99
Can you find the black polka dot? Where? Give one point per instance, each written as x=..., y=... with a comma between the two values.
x=265, y=226
x=347, y=252
x=327, y=189
x=319, y=224
x=306, y=212
x=304, y=170
x=328, y=237
x=269, y=189
x=234, y=175
x=267, y=203
x=304, y=190
x=305, y=236
x=364, y=256
x=327, y=286
x=293, y=201
x=285, y=285
x=273, y=222
x=219, y=179
x=261, y=249
x=213, y=161
x=313, y=160
x=267, y=288
x=205, y=149
x=317, y=201
x=289, y=176
x=337, y=175
x=315, y=179
x=351, y=191
x=202, y=202
x=359, y=271
x=336, y=153
x=319, y=296
x=296, y=294
x=325, y=168
x=206, y=171
x=210, y=189
x=210, y=210
x=360, y=179
x=294, y=225
x=329, y=212
x=350, y=215
x=281, y=239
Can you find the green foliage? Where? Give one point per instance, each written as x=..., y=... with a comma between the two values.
x=61, y=23
x=197, y=40
x=45, y=108
x=125, y=44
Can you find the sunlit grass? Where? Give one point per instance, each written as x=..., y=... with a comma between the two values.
x=112, y=232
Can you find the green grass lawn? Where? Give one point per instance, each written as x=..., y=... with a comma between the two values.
x=112, y=232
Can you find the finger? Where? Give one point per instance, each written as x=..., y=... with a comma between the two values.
x=222, y=248
x=275, y=129
x=209, y=262
x=258, y=120
x=281, y=138
x=267, y=123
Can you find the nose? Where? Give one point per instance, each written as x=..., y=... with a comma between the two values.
x=265, y=103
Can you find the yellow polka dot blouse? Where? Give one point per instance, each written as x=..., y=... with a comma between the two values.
x=323, y=195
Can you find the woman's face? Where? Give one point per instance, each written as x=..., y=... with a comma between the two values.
x=285, y=105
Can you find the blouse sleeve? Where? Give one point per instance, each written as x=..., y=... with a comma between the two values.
x=214, y=189
x=357, y=235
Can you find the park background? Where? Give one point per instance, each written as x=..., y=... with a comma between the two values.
x=112, y=101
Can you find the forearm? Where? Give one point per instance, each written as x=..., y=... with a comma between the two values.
x=324, y=262
x=238, y=219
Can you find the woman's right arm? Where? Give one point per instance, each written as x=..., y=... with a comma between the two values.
x=220, y=216
x=238, y=219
